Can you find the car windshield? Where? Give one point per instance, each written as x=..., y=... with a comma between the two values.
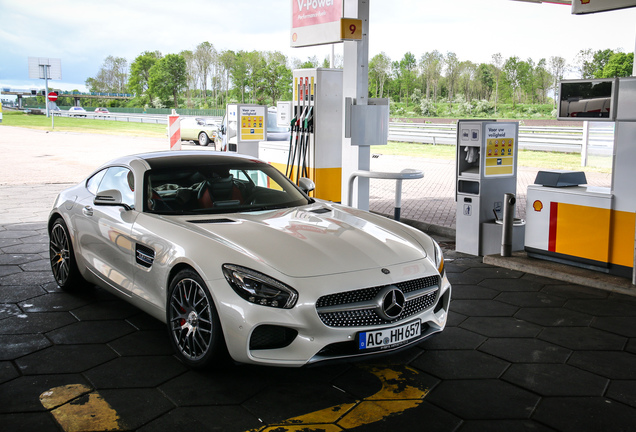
x=213, y=189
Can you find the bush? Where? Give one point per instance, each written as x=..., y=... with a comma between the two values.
x=484, y=108
x=416, y=96
x=428, y=108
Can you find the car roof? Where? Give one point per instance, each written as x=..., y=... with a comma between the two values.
x=168, y=159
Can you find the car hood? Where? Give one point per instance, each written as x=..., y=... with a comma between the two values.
x=314, y=241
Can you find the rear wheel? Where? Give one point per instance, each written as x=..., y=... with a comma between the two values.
x=193, y=322
x=62, y=257
x=203, y=139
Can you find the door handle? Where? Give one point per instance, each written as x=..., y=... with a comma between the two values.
x=88, y=211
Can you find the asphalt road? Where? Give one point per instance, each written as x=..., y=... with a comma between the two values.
x=36, y=157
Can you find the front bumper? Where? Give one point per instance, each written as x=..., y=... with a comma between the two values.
x=298, y=336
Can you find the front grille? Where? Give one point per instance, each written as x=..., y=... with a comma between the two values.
x=360, y=316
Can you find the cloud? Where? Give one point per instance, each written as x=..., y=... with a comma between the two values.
x=83, y=33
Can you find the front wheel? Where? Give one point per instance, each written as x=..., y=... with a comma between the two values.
x=62, y=258
x=203, y=139
x=193, y=322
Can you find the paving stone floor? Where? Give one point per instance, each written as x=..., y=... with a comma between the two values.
x=520, y=353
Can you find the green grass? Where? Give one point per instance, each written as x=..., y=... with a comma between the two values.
x=67, y=124
x=526, y=158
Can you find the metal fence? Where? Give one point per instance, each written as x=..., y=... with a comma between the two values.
x=599, y=140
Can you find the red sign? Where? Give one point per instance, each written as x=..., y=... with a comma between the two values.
x=312, y=12
x=52, y=96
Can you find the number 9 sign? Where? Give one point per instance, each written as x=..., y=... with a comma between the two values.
x=350, y=29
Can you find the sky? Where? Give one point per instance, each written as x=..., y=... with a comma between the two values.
x=82, y=33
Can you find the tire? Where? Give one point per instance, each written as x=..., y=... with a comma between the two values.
x=193, y=322
x=203, y=139
x=62, y=257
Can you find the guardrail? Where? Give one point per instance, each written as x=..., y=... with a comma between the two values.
x=132, y=118
x=544, y=138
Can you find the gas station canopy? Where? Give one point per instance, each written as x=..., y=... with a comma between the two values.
x=590, y=6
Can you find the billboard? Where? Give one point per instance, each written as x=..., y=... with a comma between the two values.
x=45, y=68
x=315, y=22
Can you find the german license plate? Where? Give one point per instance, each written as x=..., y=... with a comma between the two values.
x=389, y=337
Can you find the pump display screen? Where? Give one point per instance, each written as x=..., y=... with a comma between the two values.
x=587, y=100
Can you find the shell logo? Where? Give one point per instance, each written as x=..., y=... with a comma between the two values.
x=585, y=1
x=295, y=36
x=537, y=206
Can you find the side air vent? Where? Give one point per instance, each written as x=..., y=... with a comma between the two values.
x=212, y=221
x=144, y=256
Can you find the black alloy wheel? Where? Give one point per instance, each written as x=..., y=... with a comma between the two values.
x=193, y=322
x=61, y=256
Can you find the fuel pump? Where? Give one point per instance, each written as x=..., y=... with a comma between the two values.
x=314, y=147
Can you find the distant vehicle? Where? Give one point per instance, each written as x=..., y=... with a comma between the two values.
x=76, y=112
x=202, y=131
x=55, y=110
x=101, y=111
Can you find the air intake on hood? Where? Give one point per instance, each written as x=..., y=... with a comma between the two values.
x=321, y=210
x=212, y=221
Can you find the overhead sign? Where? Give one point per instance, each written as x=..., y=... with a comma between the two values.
x=52, y=96
x=45, y=68
x=591, y=6
x=315, y=22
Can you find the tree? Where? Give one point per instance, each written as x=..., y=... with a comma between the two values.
x=168, y=78
x=277, y=77
x=467, y=75
x=497, y=63
x=379, y=70
x=557, y=69
x=192, y=75
x=584, y=63
x=618, y=65
x=140, y=75
x=204, y=57
x=431, y=65
x=485, y=81
x=452, y=73
x=408, y=65
x=255, y=63
x=226, y=61
x=240, y=74
x=112, y=76
x=544, y=79
x=513, y=73
x=600, y=60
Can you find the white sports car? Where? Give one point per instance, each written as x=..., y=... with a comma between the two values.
x=237, y=259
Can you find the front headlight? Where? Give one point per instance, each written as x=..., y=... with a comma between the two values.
x=258, y=288
x=439, y=258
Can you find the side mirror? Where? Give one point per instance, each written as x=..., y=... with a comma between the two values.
x=111, y=197
x=306, y=185
x=222, y=129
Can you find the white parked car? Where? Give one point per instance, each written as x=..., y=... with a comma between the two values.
x=237, y=259
x=76, y=111
x=198, y=129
